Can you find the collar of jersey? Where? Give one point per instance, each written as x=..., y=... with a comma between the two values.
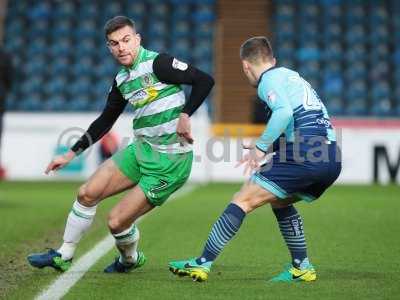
x=137, y=60
x=267, y=70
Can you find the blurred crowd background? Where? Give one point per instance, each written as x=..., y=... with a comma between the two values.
x=348, y=50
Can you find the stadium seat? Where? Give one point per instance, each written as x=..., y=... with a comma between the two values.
x=69, y=66
x=338, y=35
x=339, y=43
x=356, y=107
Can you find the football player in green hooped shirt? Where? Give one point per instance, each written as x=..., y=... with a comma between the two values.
x=155, y=165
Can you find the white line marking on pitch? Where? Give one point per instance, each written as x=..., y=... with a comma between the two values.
x=67, y=280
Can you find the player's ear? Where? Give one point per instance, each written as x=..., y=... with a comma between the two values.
x=138, y=38
x=108, y=45
x=245, y=65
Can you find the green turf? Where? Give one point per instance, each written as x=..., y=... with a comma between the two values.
x=352, y=234
x=32, y=218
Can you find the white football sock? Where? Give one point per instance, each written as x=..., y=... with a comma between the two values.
x=127, y=242
x=79, y=220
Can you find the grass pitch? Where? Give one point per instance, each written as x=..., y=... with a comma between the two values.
x=352, y=234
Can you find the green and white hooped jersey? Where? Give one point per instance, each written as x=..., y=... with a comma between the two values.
x=156, y=105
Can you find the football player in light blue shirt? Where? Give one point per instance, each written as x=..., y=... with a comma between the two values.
x=305, y=162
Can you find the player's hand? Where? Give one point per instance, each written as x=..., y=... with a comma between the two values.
x=251, y=160
x=183, y=128
x=248, y=145
x=59, y=162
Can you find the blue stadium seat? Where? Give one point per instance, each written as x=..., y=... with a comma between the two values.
x=284, y=13
x=160, y=11
x=309, y=52
x=88, y=10
x=310, y=32
x=380, y=90
x=383, y=108
x=396, y=57
x=37, y=48
x=56, y=103
x=396, y=97
x=180, y=12
x=380, y=34
x=62, y=29
x=31, y=87
x=101, y=88
x=136, y=10
x=356, y=44
x=182, y=28
x=355, y=71
x=79, y=103
x=79, y=86
x=356, y=107
x=334, y=104
x=332, y=81
x=379, y=72
x=203, y=13
x=39, y=11
x=35, y=67
x=61, y=45
x=354, y=13
x=55, y=86
x=286, y=32
x=157, y=29
x=63, y=11
x=379, y=15
x=181, y=49
x=356, y=34
x=107, y=67
x=60, y=66
x=357, y=89
x=334, y=52
x=204, y=30
x=32, y=103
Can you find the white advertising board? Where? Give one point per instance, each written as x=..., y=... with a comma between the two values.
x=370, y=152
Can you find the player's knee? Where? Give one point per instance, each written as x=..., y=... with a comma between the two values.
x=244, y=201
x=115, y=224
x=86, y=196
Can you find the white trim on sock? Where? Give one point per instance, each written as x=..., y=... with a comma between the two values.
x=67, y=250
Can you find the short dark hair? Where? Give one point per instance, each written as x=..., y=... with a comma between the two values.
x=116, y=23
x=256, y=49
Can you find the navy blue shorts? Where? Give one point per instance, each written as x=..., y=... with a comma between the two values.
x=304, y=173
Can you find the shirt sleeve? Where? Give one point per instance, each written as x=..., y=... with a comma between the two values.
x=170, y=70
x=272, y=92
x=115, y=105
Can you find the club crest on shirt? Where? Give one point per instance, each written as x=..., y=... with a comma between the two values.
x=146, y=80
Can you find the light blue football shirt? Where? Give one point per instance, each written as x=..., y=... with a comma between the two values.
x=295, y=106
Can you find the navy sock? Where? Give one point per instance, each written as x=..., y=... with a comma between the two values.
x=222, y=232
x=291, y=226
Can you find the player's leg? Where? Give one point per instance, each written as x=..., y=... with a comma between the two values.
x=162, y=175
x=121, y=222
x=308, y=187
x=245, y=201
x=291, y=227
x=108, y=180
